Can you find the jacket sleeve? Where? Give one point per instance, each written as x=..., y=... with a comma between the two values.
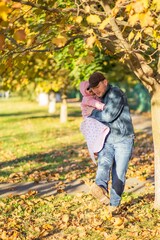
x=114, y=104
x=90, y=101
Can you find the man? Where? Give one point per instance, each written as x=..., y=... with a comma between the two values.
x=117, y=149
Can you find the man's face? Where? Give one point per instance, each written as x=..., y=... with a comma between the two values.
x=101, y=88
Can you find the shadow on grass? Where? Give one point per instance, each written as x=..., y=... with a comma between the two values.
x=10, y=118
x=63, y=161
x=57, y=171
x=12, y=114
x=75, y=113
x=43, y=116
x=55, y=157
x=42, y=188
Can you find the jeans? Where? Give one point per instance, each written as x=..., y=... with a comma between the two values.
x=113, y=159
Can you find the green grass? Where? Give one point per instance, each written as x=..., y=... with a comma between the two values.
x=31, y=139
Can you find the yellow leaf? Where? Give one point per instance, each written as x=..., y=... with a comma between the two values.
x=141, y=178
x=32, y=192
x=96, y=222
x=47, y=226
x=146, y=19
x=146, y=3
x=131, y=36
x=87, y=9
x=121, y=18
x=30, y=41
x=115, y=10
x=82, y=232
x=155, y=34
x=98, y=44
x=106, y=215
x=118, y=221
x=79, y=19
x=93, y=19
x=17, y=5
x=3, y=11
x=128, y=7
x=153, y=44
x=133, y=19
x=138, y=36
x=89, y=31
x=156, y=4
x=90, y=41
x=148, y=31
x=138, y=7
x=65, y=218
x=104, y=23
x=60, y=41
x=2, y=204
x=4, y=235
x=14, y=235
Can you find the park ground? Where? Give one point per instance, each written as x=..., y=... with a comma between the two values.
x=36, y=148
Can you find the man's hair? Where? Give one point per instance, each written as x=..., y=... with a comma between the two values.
x=95, y=79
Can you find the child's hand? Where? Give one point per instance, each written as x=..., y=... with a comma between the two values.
x=89, y=92
x=88, y=110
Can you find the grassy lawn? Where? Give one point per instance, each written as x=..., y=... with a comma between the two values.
x=35, y=146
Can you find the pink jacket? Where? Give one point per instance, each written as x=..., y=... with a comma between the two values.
x=94, y=131
x=89, y=100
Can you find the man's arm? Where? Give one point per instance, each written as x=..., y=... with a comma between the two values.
x=114, y=104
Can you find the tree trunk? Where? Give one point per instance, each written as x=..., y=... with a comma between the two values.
x=52, y=106
x=63, y=114
x=155, y=111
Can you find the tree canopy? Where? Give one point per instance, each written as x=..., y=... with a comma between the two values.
x=30, y=29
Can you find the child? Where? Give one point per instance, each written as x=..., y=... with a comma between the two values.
x=94, y=131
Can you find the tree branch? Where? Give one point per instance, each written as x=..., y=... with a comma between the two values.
x=33, y=48
x=38, y=6
x=135, y=61
x=45, y=8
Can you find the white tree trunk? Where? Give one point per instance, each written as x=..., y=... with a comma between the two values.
x=52, y=106
x=63, y=113
x=43, y=99
x=155, y=110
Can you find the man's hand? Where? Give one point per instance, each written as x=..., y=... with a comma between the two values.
x=88, y=110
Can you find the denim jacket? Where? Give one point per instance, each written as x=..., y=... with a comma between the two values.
x=116, y=114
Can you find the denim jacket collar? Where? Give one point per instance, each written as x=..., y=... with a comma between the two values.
x=108, y=88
